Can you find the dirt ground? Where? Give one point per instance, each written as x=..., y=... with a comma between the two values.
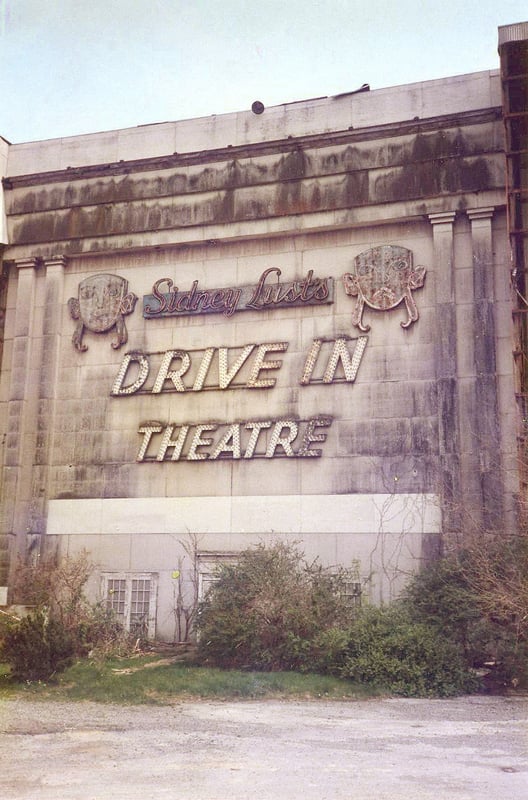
x=458, y=749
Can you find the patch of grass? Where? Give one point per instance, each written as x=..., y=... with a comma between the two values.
x=7, y=688
x=149, y=679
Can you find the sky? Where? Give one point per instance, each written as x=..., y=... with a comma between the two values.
x=70, y=67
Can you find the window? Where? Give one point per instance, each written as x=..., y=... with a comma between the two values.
x=349, y=586
x=352, y=591
x=208, y=564
x=132, y=597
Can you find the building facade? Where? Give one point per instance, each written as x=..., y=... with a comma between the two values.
x=290, y=323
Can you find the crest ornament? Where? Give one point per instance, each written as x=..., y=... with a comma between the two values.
x=384, y=277
x=102, y=303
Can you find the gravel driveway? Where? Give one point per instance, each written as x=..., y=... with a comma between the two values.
x=458, y=749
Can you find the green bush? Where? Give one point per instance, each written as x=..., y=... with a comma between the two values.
x=63, y=625
x=40, y=644
x=498, y=649
x=470, y=599
x=36, y=647
x=273, y=611
x=328, y=652
x=98, y=633
x=440, y=596
x=387, y=648
x=266, y=611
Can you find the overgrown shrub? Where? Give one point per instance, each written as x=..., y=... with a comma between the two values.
x=496, y=568
x=271, y=610
x=36, y=647
x=440, y=596
x=62, y=626
x=266, y=611
x=387, y=648
x=99, y=634
x=328, y=651
x=475, y=598
x=55, y=584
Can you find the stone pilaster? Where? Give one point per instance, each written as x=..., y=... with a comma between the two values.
x=485, y=382
x=21, y=411
x=31, y=403
x=446, y=368
x=47, y=389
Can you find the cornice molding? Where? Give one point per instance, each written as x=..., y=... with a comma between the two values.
x=327, y=139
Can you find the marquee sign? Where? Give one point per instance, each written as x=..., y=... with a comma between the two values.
x=246, y=367
x=383, y=277
x=221, y=368
x=290, y=438
x=167, y=300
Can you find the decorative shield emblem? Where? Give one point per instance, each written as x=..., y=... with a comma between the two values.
x=383, y=277
x=102, y=304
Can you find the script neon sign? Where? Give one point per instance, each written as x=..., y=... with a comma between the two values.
x=167, y=300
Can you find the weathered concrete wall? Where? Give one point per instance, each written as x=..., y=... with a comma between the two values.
x=408, y=436
x=217, y=192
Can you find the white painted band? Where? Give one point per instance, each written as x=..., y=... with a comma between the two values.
x=297, y=514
